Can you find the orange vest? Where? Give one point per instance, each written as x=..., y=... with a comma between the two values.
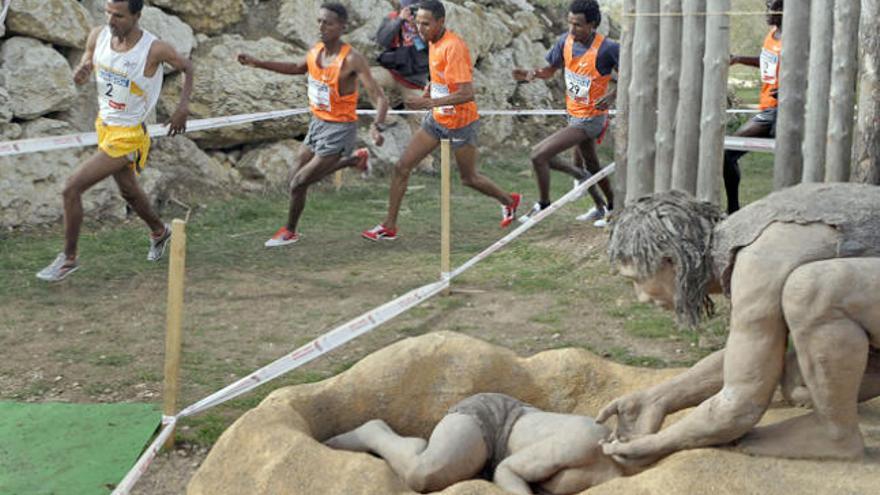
x=770, y=58
x=324, y=99
x=584, y=85
x=450, y=64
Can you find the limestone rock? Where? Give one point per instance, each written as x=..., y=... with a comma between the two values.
x=38, y=79
x=170, y=29
x=180, y=168
x=61, y=22
x=5, y=106
x=206, y=17
x=275, y=449
x=296, y=22
x=31, y=185
x=481, y=29
x=492, y=95
x=397, y=137
x=270, y=165
x=223, y=87
x=9, y=131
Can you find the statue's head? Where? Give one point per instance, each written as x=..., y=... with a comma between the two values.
x=663, y=243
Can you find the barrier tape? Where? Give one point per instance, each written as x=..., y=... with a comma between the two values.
x=53, y=143
x=342, y=334
x=143, y=463
x=749, y=144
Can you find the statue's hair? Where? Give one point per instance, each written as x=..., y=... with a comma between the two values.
x=670, y=226
x=134, y=6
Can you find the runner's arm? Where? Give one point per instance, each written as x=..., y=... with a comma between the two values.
x=289, y=68
x=743, y=60
x=84, y=69
x=524, y=75
x=377, y=95
x=165, y=53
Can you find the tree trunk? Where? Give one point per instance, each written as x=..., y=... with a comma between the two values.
x=643, y=101
x=788, y=159
x=867, y=163
x=621, y=120
x=687, y=117
x=821, y=30
x=669, y=73
x=844, y=65
x=715, y=67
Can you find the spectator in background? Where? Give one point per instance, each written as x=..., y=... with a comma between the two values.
x=404, y=60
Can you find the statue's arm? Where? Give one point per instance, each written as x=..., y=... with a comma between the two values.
x=543, y=460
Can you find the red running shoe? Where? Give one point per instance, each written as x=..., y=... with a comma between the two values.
x=379, y=232
x=508, y=213
x=282, y=238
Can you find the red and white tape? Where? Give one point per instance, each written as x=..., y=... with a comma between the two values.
x=143, y=463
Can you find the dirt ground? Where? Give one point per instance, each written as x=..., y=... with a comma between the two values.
x=104, y=342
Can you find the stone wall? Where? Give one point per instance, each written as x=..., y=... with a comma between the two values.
x=42, y=41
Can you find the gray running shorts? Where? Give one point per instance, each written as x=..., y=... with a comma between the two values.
x=768, y=118
x=460, y=137
x=592, y=125
x=331, y=138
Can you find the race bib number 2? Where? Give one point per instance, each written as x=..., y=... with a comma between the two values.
x=440, y=91
x=113, y=88
x=319, y=94
x=578, y=86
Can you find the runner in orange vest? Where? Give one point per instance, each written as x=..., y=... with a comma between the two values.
x=588, y=60
x=763, y=124
x=450, y=95
x=333, y=69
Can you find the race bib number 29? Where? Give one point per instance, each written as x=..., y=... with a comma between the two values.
x=577, y=86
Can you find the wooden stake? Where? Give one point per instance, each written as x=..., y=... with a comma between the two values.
x=445, y=214
x=174, y=320
x=337, y=180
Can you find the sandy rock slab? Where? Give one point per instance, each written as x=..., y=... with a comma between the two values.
x=275, y=448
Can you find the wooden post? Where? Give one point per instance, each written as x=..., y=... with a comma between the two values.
x=643, y=101
x=867, y=157
x=687, y=123
x=715, y=67
x=669, y=73
x=445, y=210
x=816, y=125
x=621, y=120
x=843, y=88
x=174, y=320
x=795, y=59
x=337, y=180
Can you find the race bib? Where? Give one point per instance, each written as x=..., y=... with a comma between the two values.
x=577, y=86
x=769, y=66
x=440, y=91
x=114, y=89
x=319, y=94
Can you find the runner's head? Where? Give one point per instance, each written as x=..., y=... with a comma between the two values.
x=332, y=19
x=773, y=18
x=431, y=20
x=123, y=16
x=583, y=19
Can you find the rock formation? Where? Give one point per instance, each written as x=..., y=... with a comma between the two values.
x=275, y=448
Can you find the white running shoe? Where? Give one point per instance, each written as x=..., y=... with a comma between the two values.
x=58, y=270
x=592, y=215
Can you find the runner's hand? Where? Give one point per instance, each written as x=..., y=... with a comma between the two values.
x=523, y=75
x=606, y=102
x=177, y=123
x=245, y=59
x=376, y=134
x=82, y=73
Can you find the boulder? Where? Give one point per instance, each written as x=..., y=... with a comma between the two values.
x=170, y=29
x=296, y=22
x=31, y=185
x=275, y=448
x=178, y=168
x=495, y=89
x=223, y=87
x=61, y=22
x=397, y=137
x=270, y=165
x=9, y=131
x=38, y=79
x=482, y=30
x=5, y=106
x=206, y=17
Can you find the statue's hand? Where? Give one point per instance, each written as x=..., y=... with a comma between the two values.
x=636, y=453
x=638, y=414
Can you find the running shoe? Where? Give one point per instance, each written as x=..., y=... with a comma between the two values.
x=363, y=164
x=604, y=221
x=379, y=232
x=508, y=213
x=592, y=215
x=158, y=244
x=282, y=237
x=534, y=211
x=59, y=269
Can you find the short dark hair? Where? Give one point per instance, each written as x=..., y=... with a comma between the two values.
x=775, y=5
x=134, y=6
x=338, y=9
x=589, y=9
x=435, y=7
